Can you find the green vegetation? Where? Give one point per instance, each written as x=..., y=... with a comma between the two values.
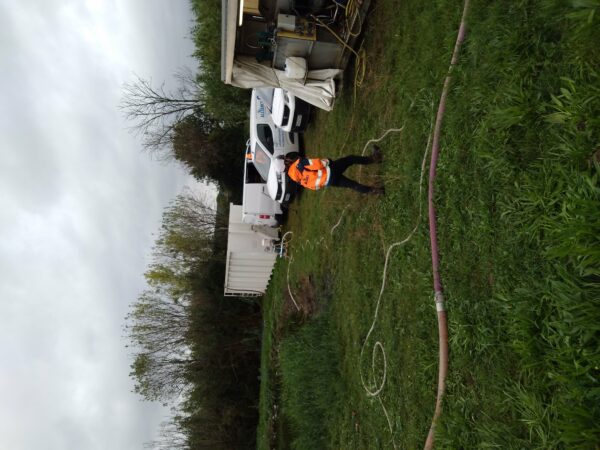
x=226, y=102
x=194, y=349
x=211, y=152
x=310, y=392
x=518, y=199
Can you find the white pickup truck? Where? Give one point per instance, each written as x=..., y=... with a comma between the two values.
x=268, y=145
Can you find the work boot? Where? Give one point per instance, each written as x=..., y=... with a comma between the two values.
x=376, y=156
x=377, y=191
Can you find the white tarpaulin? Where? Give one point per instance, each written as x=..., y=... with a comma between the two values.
x=318, y=89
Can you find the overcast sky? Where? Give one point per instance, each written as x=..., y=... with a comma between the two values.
x=79, y=202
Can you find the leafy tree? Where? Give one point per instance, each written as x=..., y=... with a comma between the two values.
x=191, y=346
x=159, y=321
x=157, y=326
x=211, y=153
x=187, y=230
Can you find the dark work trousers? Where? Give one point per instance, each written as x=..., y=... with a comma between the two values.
x=338, y=167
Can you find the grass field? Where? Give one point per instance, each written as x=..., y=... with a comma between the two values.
x=518, y=198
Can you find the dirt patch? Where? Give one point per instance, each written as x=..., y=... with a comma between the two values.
x=301, y=305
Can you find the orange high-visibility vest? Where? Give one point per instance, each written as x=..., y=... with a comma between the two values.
x=311, y=173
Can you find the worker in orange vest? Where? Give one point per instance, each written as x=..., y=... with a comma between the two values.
x=316, y=174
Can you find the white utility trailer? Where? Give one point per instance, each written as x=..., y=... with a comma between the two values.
x=251, y=255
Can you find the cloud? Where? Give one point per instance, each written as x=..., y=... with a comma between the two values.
x=79, y=202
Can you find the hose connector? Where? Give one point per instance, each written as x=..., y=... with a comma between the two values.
x=439, y=301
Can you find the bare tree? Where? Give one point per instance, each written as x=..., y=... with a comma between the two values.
x=191, y=214
x=157, y=111
x=172, y=436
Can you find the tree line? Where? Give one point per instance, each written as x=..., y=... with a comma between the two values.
x=192, y=348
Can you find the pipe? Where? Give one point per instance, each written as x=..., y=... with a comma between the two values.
x=442, y=316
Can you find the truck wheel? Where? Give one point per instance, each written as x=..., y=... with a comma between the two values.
x=293, y=155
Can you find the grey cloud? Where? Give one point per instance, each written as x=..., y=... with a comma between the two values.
x=78, y=205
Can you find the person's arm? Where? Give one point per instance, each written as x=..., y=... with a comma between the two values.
x=317, y=164
x=302, y=163
x=295, y=170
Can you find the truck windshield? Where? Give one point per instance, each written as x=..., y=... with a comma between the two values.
x=265, y=135
x=262, y=162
